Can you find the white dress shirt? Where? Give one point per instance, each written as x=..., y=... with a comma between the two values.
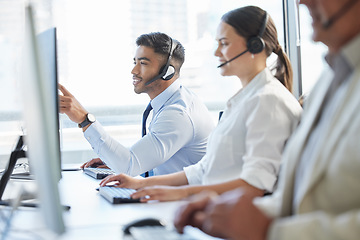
x=176, y=138
x=250, y=137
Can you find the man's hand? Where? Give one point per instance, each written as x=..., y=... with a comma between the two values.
x=70, y=106
x=233, y=215
x=192, y=213
x=94, y=163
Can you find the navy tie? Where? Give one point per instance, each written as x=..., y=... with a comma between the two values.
x=145, y=116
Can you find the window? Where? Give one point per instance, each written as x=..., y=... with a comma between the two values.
x=11, y=16
x=97, y=51
x=312, y=54
x=96, y=45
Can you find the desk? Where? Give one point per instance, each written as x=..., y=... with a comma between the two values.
x=90, y=216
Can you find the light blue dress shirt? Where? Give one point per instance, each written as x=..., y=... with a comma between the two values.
x=177, y=136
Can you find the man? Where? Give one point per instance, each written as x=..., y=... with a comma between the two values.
x=180, y=125
x=318, y=196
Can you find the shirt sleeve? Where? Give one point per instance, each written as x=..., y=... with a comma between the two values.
x=317, y=225
x=269, y=125
x=195, y=172
x=107, y=148
x=168, y=132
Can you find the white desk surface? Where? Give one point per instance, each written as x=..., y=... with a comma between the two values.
x=90, y=216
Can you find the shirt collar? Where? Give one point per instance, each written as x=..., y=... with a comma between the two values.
x=351, y=52
x=162, y=98
x=258, y=79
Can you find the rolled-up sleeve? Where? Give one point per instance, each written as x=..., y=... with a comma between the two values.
x=194, y=173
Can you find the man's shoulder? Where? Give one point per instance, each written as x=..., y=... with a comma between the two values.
x=183, y=97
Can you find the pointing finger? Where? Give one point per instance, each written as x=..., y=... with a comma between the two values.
x=64, y=90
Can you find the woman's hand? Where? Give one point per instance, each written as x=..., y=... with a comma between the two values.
x=161, y=193
x=123, y=181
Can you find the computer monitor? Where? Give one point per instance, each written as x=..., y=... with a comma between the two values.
x=41, y=125
x=47, y=42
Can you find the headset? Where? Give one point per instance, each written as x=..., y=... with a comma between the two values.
x=167, y=71
x=254, y=44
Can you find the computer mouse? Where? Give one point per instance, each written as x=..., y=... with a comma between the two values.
x=141, y=223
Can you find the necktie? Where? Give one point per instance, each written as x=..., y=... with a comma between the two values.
x=145, y=116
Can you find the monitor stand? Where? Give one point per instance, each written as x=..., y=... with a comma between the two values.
x=15, y=155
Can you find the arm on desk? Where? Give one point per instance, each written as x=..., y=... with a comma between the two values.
x=171, y=193
x=125, y=181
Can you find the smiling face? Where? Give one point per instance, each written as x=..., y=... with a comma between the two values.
x=147, y=65
x=231, y=44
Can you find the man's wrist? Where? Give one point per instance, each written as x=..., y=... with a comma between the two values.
x=86, y=127
x=89, y=119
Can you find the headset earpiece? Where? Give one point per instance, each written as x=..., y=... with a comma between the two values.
x=256, y=44
x=169, y=73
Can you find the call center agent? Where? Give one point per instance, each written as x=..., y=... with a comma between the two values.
x=180, y=126
x=318, y=193
x=246, y=146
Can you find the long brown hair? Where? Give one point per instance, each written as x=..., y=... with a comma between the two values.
x=247, y=22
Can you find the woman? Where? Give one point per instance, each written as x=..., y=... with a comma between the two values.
x=245, y=148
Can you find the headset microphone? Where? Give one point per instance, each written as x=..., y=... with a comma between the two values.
x=233, y=58
x=327, y=24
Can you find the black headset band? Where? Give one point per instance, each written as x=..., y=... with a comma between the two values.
x=263, y=25
x=163, y=70
x=256, y=44
x=171, y=52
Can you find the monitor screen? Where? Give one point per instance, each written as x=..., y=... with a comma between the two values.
x=48, y=53
x=41, y=125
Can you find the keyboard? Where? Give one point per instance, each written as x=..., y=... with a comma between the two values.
x=158, y=232
x=98, y=173
x=117, y=195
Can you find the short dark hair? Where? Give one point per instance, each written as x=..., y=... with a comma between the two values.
x=161, y=43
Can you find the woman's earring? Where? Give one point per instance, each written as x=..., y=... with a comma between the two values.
x=252, y=56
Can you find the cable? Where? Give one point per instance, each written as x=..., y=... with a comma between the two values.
x=15, y=205
x=23, y=195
